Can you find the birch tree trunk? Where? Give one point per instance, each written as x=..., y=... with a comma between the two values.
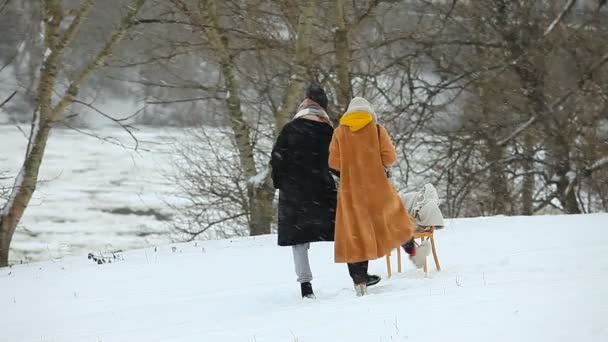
x=260, y=193
x=343, y=57
x=265, y=191
x=56, y=42
x=301, y=65
x=527, y=191
x=501, y=197
x=260, y=200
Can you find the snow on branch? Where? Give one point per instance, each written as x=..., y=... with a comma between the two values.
x=573, y=177
x=260, y=178
x=598, y=164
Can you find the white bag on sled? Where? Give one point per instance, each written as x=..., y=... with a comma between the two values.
x=424, y=206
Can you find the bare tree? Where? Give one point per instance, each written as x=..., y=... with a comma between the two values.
x=210, y=181
x=60, y=31
x=489, y=109
x=522, y=105
x=254, y=110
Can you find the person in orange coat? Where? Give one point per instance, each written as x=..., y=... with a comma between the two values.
x=371, y=219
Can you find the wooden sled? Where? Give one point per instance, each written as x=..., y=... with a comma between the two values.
x=425, y=234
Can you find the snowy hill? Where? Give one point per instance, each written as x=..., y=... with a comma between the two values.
x=504, y=279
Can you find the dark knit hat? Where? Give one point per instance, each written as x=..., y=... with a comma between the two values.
x=316, y=93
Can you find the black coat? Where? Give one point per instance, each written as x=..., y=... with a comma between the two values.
x=307, y=191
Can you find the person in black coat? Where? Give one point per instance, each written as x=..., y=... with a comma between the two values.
x=307, y=191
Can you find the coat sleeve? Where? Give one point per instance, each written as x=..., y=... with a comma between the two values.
x=325, y=141
x=279, y=158
x=387, y=149
x=334, y=153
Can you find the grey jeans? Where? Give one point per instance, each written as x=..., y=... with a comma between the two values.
x=301, y=263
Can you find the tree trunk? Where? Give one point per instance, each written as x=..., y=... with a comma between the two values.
x=571, y=203
x=5, y=244
x=240, y=128
x=263, y=194
x=559, y=155
x=342, y=58
x=300, y=67
x=24, y=188
x=56, y=41
x=527, y=191
x=531, y=74
x=260, y=199
x=501, y=196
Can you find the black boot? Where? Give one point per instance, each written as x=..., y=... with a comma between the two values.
x=372, y=279
x=307, y=290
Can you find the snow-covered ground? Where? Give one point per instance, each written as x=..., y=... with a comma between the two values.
x=88, y=188
x=504, y=279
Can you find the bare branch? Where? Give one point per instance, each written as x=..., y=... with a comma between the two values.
x=194, y=234
x=10, y=97
x=107, y=116
x=560, y=101
x=518, y=131
x=100, y=59
x=600, y=163
x=4, y=5
x=120, y=121
x=162, y=21
x=194, y=99
x=567, y=8
x=8, y=62
x=71, y=31
x=110, y=139
x=22, y=132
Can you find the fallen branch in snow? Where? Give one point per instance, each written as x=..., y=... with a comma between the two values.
x=103, y=259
